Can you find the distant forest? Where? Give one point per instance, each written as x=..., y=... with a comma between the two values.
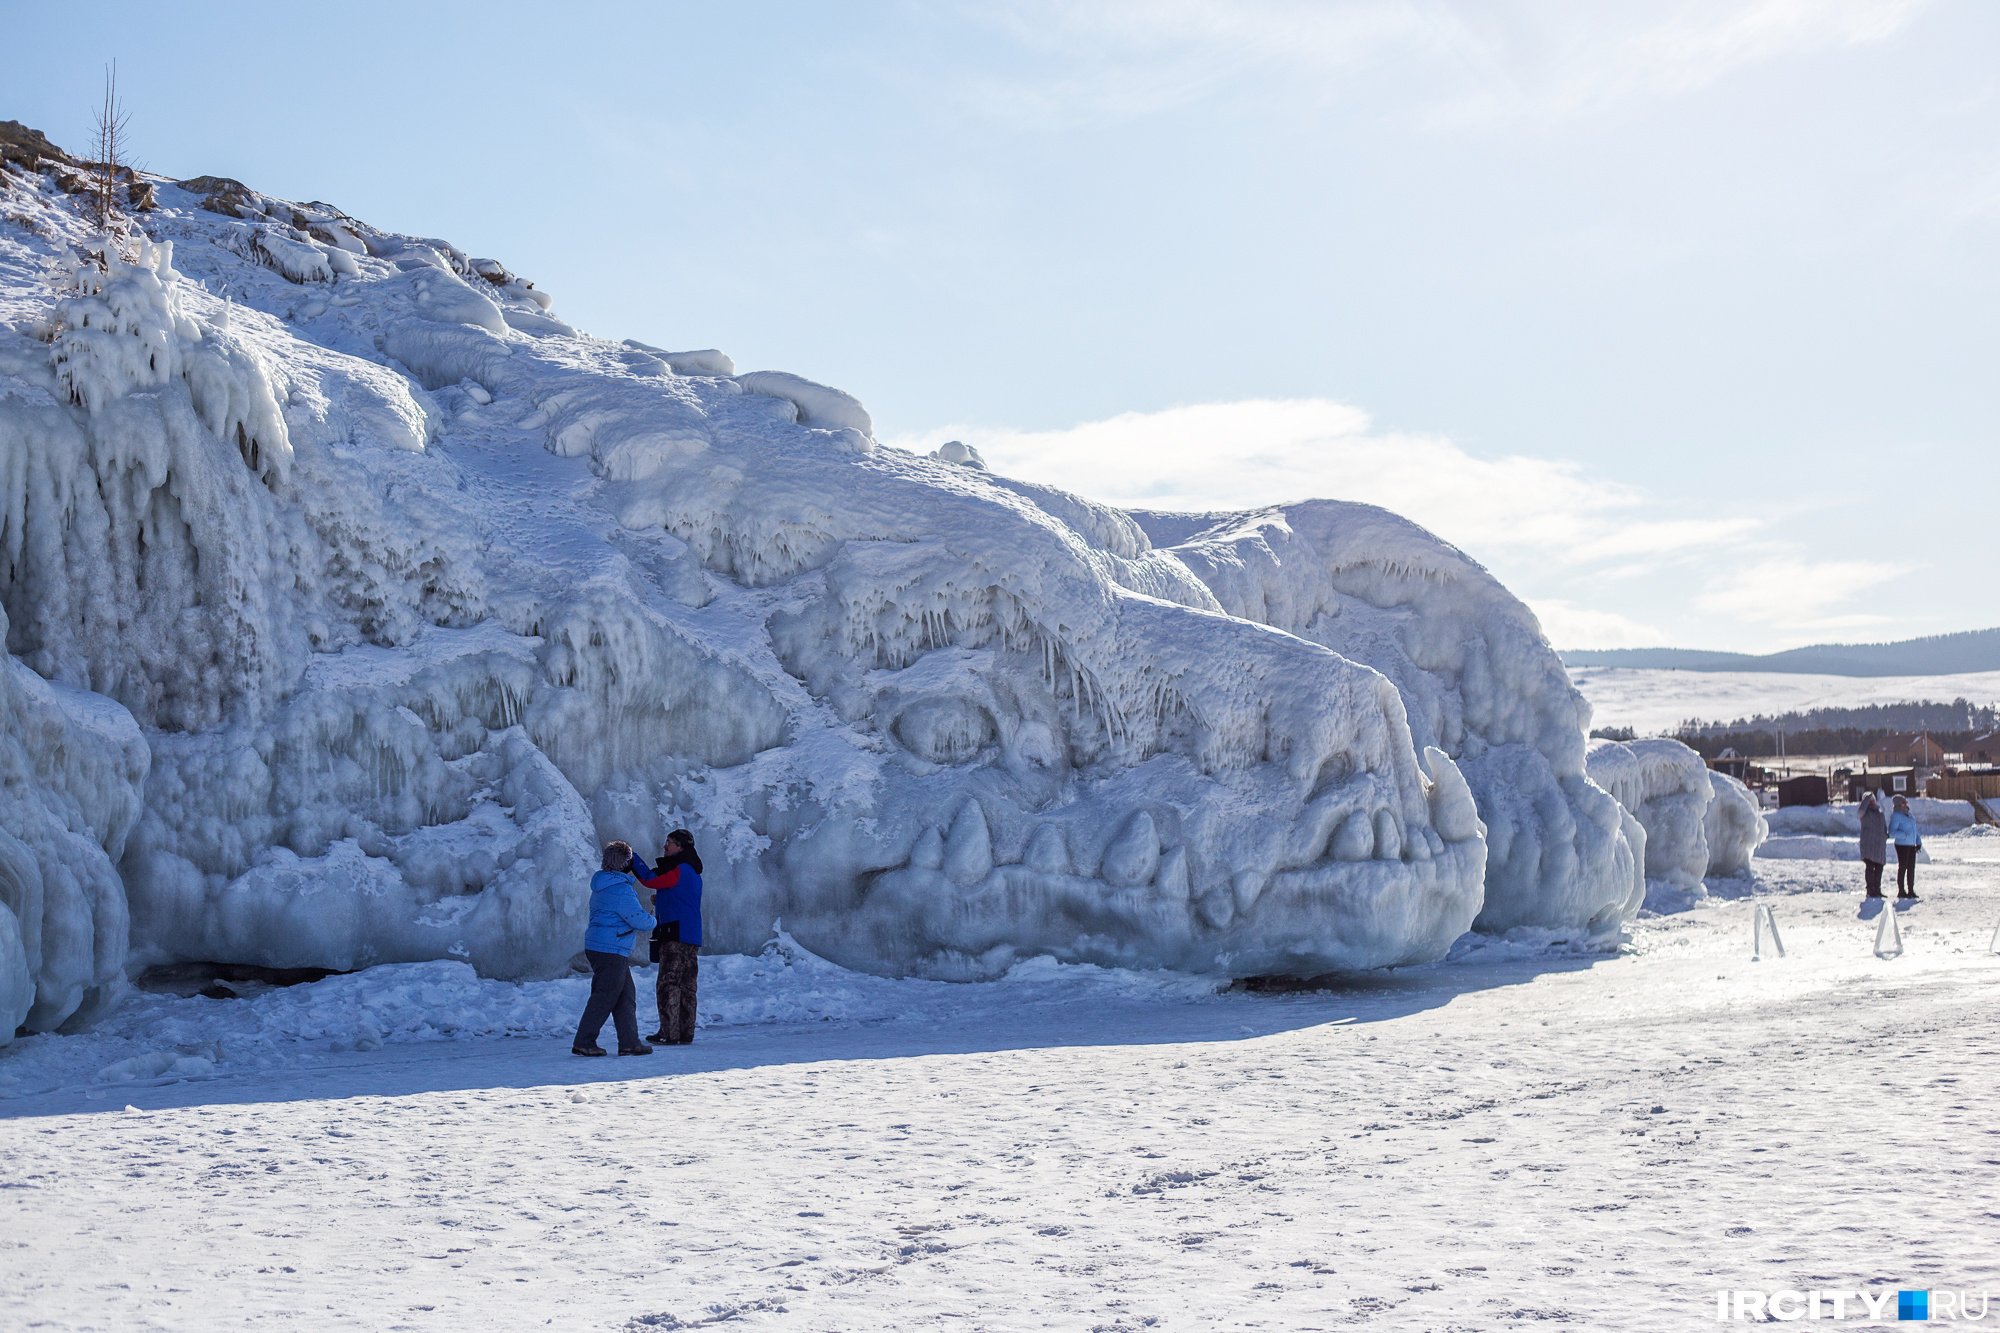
x=1840, y=730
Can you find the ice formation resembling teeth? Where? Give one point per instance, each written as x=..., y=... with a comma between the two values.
x=1477, y=678
x=352, y=597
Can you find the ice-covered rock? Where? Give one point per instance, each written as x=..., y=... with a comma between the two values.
x=1735, y=826
x=817, y=404
x=72, y=765
x=1665, y=786
x=958, y=451
x=1476, y=675
x=409, y=595
x=706, y=361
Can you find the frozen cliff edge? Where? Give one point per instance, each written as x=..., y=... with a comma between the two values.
x=409, y=593
x=72, y=765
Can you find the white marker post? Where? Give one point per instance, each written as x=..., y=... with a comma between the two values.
x=1888, y=934
x=1761, y=919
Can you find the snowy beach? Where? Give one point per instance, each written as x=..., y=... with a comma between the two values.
x=1141, y=823
x=1654, y=702
x=1524, y=1134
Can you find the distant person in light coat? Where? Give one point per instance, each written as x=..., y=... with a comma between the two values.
x=1874, y=843
x=1903, y=832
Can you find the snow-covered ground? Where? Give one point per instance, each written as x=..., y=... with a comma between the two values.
x=1523, y=1134
x=1654, y=702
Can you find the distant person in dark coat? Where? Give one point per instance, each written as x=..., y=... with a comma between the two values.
x=1903, y=832
x=676, y=883
x=1874, y=842
x=615, y=922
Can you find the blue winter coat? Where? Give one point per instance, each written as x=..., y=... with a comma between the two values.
x=615, y=915
x=1903, y=830
x=676, y=897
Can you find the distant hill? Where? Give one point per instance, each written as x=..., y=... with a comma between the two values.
x=1938, y=655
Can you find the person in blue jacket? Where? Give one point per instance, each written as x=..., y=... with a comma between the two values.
x=676, y=885
x=1903, y=832
x=616, y=918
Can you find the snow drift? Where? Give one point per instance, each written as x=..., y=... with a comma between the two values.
x=1843, y=818
x=372, y=595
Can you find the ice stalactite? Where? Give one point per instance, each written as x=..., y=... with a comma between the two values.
x=144, y=543
x=72, y=766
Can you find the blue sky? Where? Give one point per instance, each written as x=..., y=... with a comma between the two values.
x=1682, y=317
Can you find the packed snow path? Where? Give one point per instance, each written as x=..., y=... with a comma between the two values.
x=1596, y=1141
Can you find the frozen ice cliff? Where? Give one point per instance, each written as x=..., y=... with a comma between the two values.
x=72, y=765
x=352, y=596
x=1478, y=680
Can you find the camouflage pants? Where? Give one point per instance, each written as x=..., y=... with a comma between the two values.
x=680, y=966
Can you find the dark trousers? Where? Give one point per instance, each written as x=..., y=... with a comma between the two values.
x=1906, y=871
x=680, y=968
x=613, y=996
x=1873, y=875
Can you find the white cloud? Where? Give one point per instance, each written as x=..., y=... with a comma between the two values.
x=1265, y=451
x=1466, y=59
x=1593, y=557
x=1570, y=626
x=1570, y=56
x=1796, y=592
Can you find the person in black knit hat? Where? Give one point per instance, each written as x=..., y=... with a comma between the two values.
x=676, y=885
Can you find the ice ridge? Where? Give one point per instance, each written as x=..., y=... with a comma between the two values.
x=352, y=596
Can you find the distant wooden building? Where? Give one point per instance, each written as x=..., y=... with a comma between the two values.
x=1983, y=749
x=1734, y=764
x=1809, y=789
x=1906, y=749
x=1888, y=781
